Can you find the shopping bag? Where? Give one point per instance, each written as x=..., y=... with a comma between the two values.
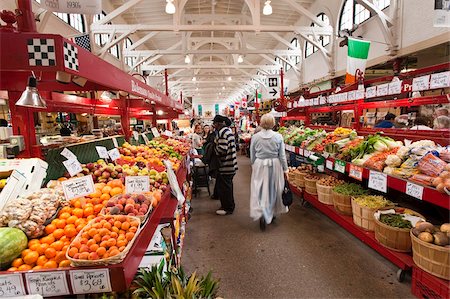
x=287, y=194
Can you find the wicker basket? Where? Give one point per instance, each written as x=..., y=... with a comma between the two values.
x=342, y=203
x=431, y=258
x=300, y=179
x=311, y=185
x=106, y=261
x=394, y=238
x=363, y=216
x=104, y=211
x=324, y=194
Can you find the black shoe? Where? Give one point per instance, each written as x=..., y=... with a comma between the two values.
x=214, y=197
x=262, y=224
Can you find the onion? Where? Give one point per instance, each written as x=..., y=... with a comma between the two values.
x=437, y=181
x=440, y=187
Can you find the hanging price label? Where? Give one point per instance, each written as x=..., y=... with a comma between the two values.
x=90, y=281
x=68, y=154
x=301, y=151
x=414, y=190
x=145, y=138
x=11, y=285
x=355, y=172
x=378, y=181
x=168, y=133
x=102, y=152
x=325, y=155
x=136, y=136
x=339, y=166
x=114, y=154
x=306, y=153
x=155, y=132
x=73, y=166
x=47, y=283
x=78, y=187
x=329, y=164
x=116, y=144
x=137, y=184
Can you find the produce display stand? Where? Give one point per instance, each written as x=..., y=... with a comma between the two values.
x=425, y=285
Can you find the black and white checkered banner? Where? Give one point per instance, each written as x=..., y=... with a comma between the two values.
x=70, y=56
x=41, y=52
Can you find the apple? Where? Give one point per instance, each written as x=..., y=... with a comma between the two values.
x=110, y=203
x=106, y=174
x=119, y=206
x=129, y=208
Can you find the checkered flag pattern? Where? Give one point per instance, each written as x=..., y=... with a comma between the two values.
x=41, y=52
x=70, y=56
x=83, y=41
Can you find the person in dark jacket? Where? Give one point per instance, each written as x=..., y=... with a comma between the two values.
x=388, y=121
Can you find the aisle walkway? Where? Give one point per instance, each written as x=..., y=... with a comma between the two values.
x=303, y=255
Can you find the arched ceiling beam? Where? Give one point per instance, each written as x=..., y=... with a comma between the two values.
x=302, y=10
x=118, y=11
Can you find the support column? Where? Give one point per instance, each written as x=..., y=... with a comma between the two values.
x=154, y=116
x=125, y=117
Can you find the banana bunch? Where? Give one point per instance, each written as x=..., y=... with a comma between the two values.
x=342, y=131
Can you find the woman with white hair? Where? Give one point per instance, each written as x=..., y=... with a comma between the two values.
x=442, y=123
x=269, y=170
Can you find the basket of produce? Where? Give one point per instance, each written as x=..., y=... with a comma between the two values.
x=138, y=205
x=392, y=228
x=342, y=197
x=311, y=183
x=363, y=208
x=302, y=170
x=430, y=248
x=324, y=189
x=105, y=240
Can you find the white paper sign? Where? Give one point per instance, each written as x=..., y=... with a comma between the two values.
x=343, y=97
x=90, y=7
x=167, y=133
x=102, y=152
x=136, y=136
x=47, y=283
x=301, y=151
x=371, y=92
x=145, y=138
x=78, y=187
x=11, y=285
x=378, y=181
x=382, y=89
x=414, y=190
x=306, y=153
x=329, y=164
x=173, y=181
x=359, y=94
x=114, y=154
x=116, y=144
x=137, y=184
x=155, y=132
x=395, y=87
x=90, y=281
x=73, y=166
x=351, y=95
x=421, y=83
x=355, y=172
x=68, y=154
x=440, y=80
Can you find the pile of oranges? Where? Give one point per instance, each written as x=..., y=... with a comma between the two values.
x=106, y=236
x=49, y=251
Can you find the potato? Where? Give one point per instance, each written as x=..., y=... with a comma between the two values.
x=425, y=227
x=440, y=239
x=416, y=232
x=426, y=237
x=445, y=227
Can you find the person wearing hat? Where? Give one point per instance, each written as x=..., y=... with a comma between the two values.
x=225, y=148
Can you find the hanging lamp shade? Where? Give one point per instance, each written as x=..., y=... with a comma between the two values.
x=30, y=97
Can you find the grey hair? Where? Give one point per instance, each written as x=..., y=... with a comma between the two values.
x=267, y=121
x=442, y=122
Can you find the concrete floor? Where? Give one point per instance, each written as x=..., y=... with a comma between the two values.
x=302, y=255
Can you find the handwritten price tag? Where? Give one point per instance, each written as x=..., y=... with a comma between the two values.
x=11, y=285
x=395, y=87
x=72, y=166
x=145, y=138
x=136, y=136
x=355, y=172
x=306, y=153
x=137, y=184
x=78, y=187
x=102, y=152
x=167, y=133
x=329, y=164
x=421, y=83
x=90, y=281
x=155, y=132
x=378, y=181
x=47, y=283
x=114, y=154
x=116, y=144
x=414, y=190
x=339, y=166
x=440, y=80
x=371, y=92
x=68, y=154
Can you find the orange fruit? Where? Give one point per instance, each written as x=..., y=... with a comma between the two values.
x=90, y=242
x=129, y=236
x=118, y=224
x=114, y=235
x=36, y=247
x=76, y=204
x=60, y=223
x=64, y=239
x=105, y=196
x=33, y=241
x=101, y=251
x=58, y=245
x=97, y=194
x=79, y=227
x=58, y=233
x=103, y=232
x=24, y=267
x=121, y=243
x=64, y=264
x=97, y=238
x=66, y=209
x=17, y=262
x=64, y=215
x=43, y=248
x=38, y=267
x=60, y=256
x=84, y=255
x=98, y=208
x=12, y=269
x=114, y=252
x=66, y=246
x=80, y=221
x=41, y=260
x=88, y=211
x=122, y=248
x=76, y=244
x=90, y=217
x=50, y=228
x=106, y=190
x=50, y=253
x=132, y=229
x=72, y=251
x=83, y=248
x=70, y=231
x=71, y=219
x=78, y=212
x=99, y=186
x=31, y=258
x=50, y=265
x=93, y=247
x=92, y=232
x=134, y=223
x=115, y=191
x=125, y=226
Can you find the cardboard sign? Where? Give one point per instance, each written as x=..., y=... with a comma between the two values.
x=355, y=172
x=102, y=152
x=47, y=283
x=90, y=281
x=68, y=154
x=11, y=285
x=421, y=83
x=339, y=166
x=114, y=154
x=116, y=144
x=414, y=190
x=78, y=187
x=137, y=184
x=73, y=166
x=440, y=80
x=155, y=132
x=378, y=181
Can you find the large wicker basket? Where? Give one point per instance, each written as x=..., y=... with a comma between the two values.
x=342, y=203
x=431, y=258
x=311, y=185
x=363, y=216
x=300, y=179
x=394, y=238
x=324, y=194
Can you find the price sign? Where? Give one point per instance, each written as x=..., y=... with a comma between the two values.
x=78, y=187
x=329, y=164
x=440, y=80
x=11, y=285
x=325, y=155
x=351, y=95
x=155, y=132
x=73, y=166
x=68, y=154
x=359, y=94
x=116, y=144
x=90, y=281
x=306, y=153
x=145, y=138
x=301, y=151
x=47, y=283
x=355, y=172
x=395, y=87
x=371, y=92
x=136, y=136
x=414, y=190
x=378, y=181
x=137, y=184
x=102, y=152
x=114, y=154
x=421, y=83
x=382, y=89
x=167, y=133
x=339, y=166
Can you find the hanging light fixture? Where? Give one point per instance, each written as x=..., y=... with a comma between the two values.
x=267, y=10
x=170, y=7
x=229, y=78
x=223, y=87
x=194, y=79
x=160, y=112
x=31, y=97
x=240, y=59
x=187, y=59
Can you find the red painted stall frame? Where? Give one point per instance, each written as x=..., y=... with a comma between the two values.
x=427, y=286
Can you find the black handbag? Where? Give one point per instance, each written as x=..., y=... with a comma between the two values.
x=287, y=194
